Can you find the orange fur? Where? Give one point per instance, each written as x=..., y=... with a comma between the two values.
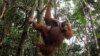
x=48, y=20
x=54, y=36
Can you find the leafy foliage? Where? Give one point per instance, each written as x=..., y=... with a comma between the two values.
x=14, y=20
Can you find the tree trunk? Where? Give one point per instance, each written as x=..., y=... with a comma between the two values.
x=21, y=47
x=40, y=12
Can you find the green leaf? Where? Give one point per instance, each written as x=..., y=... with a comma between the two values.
x=82, y=20
x=80, y=17
x=98, y=35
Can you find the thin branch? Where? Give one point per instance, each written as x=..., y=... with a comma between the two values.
x=41, y=11
x=24, y=8
x=29, y=14
x=4, y=10
x=2, y=13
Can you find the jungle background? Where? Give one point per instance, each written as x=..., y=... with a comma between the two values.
x=18, y=38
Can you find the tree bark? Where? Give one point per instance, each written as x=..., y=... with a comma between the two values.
x=21, y=47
